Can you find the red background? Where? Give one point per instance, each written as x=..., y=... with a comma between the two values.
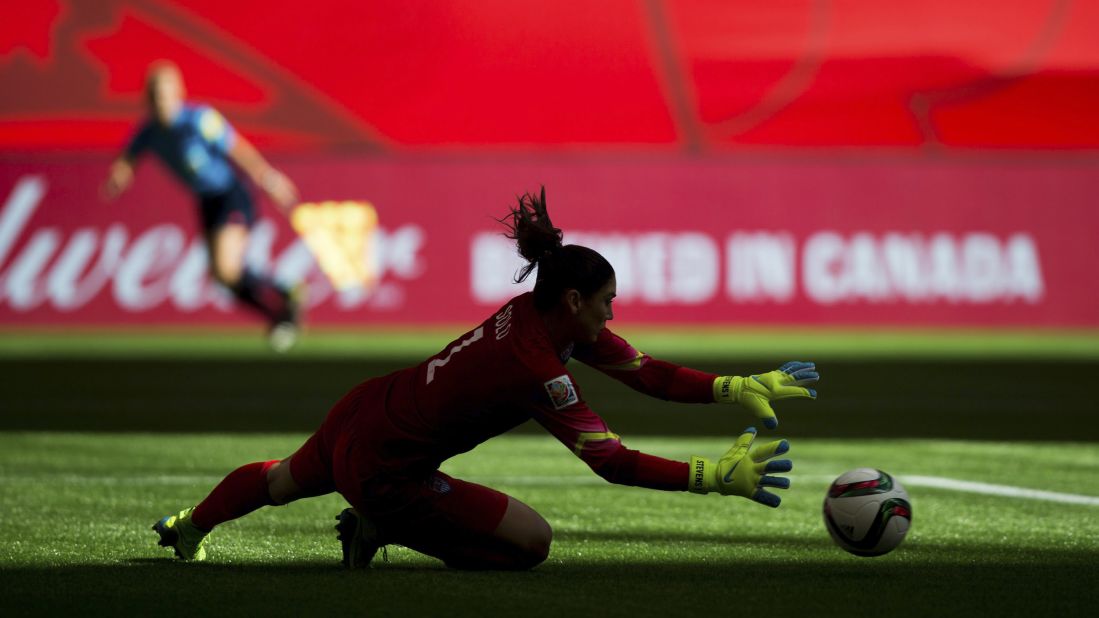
x=703, y=75
x=640, y=116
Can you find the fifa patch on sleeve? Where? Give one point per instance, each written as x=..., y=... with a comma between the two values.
x=561, y=392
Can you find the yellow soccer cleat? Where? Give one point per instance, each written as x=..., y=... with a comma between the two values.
x=177, y=532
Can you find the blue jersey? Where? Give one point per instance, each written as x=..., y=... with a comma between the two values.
x=195, y=148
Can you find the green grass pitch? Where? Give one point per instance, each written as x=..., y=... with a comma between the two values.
x=76, y=512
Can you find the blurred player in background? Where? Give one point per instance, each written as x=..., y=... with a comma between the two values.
x=197, y=144
x=381, y=446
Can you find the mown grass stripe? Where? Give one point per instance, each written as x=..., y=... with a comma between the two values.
x=933, y=482
x=990, y=489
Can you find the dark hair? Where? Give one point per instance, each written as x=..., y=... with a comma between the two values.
x=560, y=267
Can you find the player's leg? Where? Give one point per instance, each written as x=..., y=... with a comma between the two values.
x=282, y=487
x=471, y=526
x=466, y=525
x=227, y=245
x=526, y=532
x=252, y=486
x=242, y=491
x=520, y=541
x=304, y=474
x=227, y=219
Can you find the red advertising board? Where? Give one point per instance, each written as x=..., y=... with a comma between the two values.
x=850, y=241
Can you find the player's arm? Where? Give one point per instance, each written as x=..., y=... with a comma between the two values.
x=119, y=177
x=558, y=406
x=121, y=173
x=615, y=357
x=277, y=185
x=586, y=434
x=756, y=392
x=745, y=469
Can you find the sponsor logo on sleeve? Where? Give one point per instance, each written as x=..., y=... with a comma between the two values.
x=561, y=392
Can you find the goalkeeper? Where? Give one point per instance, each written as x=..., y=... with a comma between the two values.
x=381, y=446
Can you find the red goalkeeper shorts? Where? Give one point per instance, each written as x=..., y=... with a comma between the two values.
x=408, y=511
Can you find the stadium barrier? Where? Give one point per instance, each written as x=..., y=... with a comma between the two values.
x=905, y=242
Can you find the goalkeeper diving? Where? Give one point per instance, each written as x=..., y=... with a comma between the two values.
x=381, y=446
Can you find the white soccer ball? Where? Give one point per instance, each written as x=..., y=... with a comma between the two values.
x=867, y=512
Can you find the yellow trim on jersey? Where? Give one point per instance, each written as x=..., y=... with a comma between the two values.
x=592, y=436
x=631, y=365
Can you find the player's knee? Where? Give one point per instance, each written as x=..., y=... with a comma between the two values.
x=534, y=547
x=281, y=487
x=225, y=273
x=527, y=533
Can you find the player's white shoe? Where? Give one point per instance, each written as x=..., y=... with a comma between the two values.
x=282, y=336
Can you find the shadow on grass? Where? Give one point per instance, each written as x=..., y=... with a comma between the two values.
x=793, y=548
x=860, y=398
x=952, y=580
x=687, y=536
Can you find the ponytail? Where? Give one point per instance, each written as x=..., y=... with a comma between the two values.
x=530, y=227
x=560, y=267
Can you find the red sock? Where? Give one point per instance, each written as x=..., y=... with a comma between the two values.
x=240, y=493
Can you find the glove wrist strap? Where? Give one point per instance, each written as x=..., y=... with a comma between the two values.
x=723, y=389
x=701, y=474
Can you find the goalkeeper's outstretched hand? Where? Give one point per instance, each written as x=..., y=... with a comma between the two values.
x=744, y=470
x=757, y=392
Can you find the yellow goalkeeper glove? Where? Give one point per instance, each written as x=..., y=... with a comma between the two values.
x=743, y=470
x=757, y=392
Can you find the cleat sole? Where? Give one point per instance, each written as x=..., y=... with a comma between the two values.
x=356, y=555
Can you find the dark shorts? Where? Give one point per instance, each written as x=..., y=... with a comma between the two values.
x=221, y=209
x=417, y=511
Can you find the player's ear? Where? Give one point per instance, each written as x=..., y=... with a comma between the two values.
x=572, y=300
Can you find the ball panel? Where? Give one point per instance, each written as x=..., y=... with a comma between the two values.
x=856, y=476
x=866, y=512
x=867, y=482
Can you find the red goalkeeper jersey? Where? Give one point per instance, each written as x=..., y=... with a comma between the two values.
x=506, y=371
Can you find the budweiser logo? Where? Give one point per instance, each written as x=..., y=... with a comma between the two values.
x=68, y=269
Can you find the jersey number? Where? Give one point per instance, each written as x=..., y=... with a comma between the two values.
x=439, y=362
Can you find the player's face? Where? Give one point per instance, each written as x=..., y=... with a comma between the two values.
x=594, y=311
x=166, y=97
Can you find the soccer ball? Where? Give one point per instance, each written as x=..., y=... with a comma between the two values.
x=867, y=512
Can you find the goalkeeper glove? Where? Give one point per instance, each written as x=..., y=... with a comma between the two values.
x=757, y=392
x=742, y=471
